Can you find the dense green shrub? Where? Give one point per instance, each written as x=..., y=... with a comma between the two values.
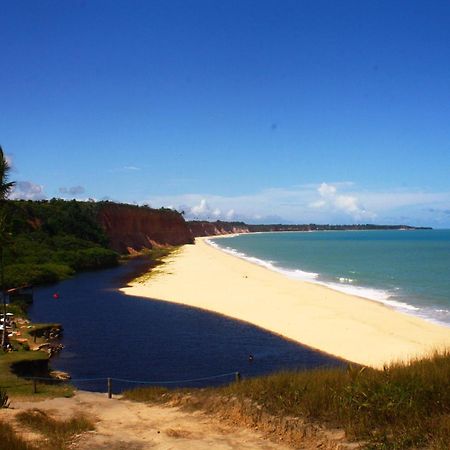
x=89, y=258
x=50, y=240
x=24, y=273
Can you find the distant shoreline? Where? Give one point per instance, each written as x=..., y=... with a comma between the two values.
x=203, y=228
x=349, y=327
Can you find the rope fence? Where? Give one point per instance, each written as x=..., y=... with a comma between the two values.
x=110, y=380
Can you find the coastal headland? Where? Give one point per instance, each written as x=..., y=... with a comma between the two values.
x=346, y=326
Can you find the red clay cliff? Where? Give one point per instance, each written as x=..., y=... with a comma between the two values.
x=132, y=228
x=204, y=228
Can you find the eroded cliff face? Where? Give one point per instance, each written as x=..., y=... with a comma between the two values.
x=203, y=228
x=132, y=228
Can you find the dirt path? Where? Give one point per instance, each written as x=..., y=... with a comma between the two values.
x=126, y=425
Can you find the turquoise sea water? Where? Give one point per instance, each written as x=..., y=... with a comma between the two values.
x=408, y=270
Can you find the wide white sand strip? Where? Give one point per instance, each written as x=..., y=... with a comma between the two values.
x=350, y=327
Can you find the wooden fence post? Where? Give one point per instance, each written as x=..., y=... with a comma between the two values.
x=109, y=388
x=34, y=387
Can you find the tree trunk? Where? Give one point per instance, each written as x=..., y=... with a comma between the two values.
x=2, y=282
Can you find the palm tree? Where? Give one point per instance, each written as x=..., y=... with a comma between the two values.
x=5, y=189
x=5, y=186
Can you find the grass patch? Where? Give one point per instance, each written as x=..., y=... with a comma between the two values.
x=57, y=433
x=16, y=386
x=155, y=256
x=157, y=253
x=400, y=407
x=152, y=395
x=10, y=441
x=16, y=365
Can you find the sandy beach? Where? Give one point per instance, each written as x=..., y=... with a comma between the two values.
x=353, y=328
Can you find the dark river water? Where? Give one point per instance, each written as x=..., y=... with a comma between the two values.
x=109, y=334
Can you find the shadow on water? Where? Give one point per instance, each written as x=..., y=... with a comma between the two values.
x=109, y=334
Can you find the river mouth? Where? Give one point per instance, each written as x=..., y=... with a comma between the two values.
x=109, y=334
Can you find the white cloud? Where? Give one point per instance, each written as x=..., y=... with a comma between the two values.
x=382, y=201
x=328, y=202
x=200, y=209
x=26, y=190
x=332, y=201
x=72, y=191
x=9, y=160
x=271, y=205
x=203, y=211
x=129, y=168
x=326, y=190
x=230, y=214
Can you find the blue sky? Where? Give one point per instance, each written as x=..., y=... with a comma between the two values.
x=266, y=111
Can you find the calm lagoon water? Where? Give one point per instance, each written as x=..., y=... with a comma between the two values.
x=109, y=334
x=408, y=270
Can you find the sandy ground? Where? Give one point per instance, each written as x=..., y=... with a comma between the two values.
x=352, y=328
x=126, y=425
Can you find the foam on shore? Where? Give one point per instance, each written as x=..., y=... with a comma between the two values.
x=335, y=322
x=344, y=285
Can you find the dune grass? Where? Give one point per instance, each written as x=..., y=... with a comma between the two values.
x=155, y=394
x=11, y=441
x=56, y=434
x=400, y=407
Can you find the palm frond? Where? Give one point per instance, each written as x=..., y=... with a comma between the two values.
x=5, y=185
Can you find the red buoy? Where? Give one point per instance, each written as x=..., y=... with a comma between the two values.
x=56, y=296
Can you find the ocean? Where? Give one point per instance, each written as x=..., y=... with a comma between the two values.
x=408, y=270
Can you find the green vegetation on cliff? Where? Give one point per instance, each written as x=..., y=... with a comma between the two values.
x=50, y=240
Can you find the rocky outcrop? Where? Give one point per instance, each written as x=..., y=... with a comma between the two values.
x=203, y=228
x=133, y=228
